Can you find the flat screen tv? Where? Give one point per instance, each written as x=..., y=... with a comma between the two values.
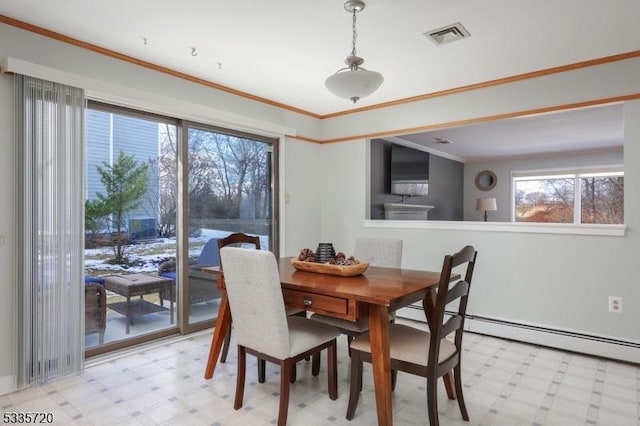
x=409, y=171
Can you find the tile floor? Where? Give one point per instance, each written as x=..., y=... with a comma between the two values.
x=506, y=383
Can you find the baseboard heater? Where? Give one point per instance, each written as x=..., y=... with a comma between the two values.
x=575, y=341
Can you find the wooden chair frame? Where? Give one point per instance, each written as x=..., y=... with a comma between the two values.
x=434, y=307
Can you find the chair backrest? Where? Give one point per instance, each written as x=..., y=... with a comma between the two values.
x=256, y=301
x=448, y=293
x=210, y=255
x=379, y=251
x=95, y=307
x=238, y=239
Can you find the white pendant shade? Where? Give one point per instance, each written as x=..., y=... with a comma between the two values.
x=354, y=84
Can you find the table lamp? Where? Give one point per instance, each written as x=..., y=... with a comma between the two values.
x=486, y=204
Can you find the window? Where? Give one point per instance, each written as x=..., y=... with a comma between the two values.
x=583, y=197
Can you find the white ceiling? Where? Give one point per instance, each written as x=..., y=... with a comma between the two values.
x=283, y=50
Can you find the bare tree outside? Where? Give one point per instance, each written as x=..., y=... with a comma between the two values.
x=168, y=174
x=229, y=176
x=603, y=199
x=553, y=200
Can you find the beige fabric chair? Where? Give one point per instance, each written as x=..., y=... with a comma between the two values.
x=240, y=239
x=262, y=327
x=386, y=252
x=419, y=352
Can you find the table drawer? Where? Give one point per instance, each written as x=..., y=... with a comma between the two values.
x=316, y=302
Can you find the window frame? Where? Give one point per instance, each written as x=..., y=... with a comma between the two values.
x=563, y=173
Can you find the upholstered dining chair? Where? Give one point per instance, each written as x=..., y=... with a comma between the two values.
x=236, y=239
x=243, y=240
x=385, y=252
x=427, y=354
x=255, y=298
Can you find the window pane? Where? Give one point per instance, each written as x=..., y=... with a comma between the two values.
x=603, y=199
x=229, y=190
x=130, y=217
x=544, y=200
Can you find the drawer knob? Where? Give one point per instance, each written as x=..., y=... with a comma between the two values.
x=307, y=301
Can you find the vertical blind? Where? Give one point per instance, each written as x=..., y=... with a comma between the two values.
x=50, y=222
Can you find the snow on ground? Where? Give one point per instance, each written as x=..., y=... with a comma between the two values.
x=152, y=253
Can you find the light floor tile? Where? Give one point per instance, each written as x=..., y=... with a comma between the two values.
x=505, y=383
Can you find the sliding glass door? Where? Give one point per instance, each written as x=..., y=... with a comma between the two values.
x=159, y=193
x=229, y=189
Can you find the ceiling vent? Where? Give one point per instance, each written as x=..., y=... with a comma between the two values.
x=448, y=34
x=440, y=141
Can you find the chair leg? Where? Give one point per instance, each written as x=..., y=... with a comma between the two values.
x=285, y=374
x=293, y=376
x=432, y=401
x=394, y=379
x=261, y=370
x=458, y=382
x=315, y=364
x=332, y=370
x=242, y=363
x=227, y=343
x=355, y=384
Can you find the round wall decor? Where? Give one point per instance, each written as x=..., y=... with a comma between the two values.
x=486, y=180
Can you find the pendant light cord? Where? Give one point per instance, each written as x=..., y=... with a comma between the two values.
x=355, y=34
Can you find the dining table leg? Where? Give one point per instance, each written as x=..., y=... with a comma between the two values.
x=219, y=333
x=381, y=363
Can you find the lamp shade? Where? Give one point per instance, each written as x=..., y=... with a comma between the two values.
x=486, y=204
x=354, y=84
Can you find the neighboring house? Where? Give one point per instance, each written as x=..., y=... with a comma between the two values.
x=107, y=135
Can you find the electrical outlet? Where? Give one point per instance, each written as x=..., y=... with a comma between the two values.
x=615, y=304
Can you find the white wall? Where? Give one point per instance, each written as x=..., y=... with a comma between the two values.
x=301, y=196
x=7, y=235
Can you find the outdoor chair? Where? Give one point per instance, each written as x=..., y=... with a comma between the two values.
x=95, y=308
x=427, y=354
x=202, y=285
x=255, y=298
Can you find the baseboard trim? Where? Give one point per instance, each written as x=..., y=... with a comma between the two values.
x=8, y=384
x=569, y=340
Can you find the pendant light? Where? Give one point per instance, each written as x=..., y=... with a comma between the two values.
x=354, y=82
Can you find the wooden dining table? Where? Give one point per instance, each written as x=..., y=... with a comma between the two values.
x=373, y=295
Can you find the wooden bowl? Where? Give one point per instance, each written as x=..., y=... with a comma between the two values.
x=327, y=268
